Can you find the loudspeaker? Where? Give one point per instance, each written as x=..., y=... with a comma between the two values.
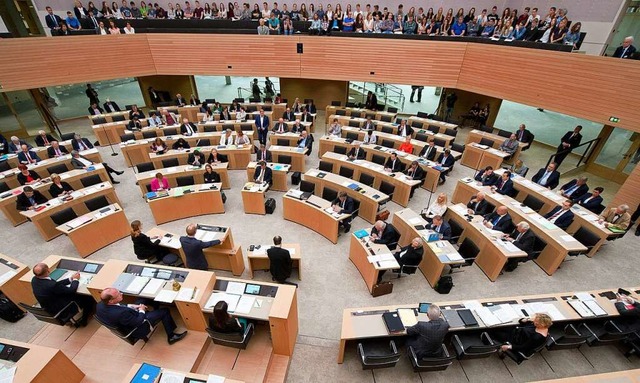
x=299, y=48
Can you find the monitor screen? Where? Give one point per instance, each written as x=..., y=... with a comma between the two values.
x=252, y=289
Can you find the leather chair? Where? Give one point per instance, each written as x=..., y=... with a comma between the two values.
x=456, y=231
x=172, y=131
x=533, y=203
x=601, y=333
x=474, y=345
x=451, y=132
x=128, y=337
x=469, y=251
x=366, y=179
x=326, y=166
x=378, y=159
x=346, y=172
x=340, y=149
x=422, y=137
x=387, y=144
x=565, y=338
x=341, y=112
x=504, y=133
x=117, y=118
x=430, y=364
x=378, y=354
x=235, y=340
x=185, y=181
x=519, y=357
x=487, y=142
x=387, y=188
x=99, y=120
x=282, y=142
x=210, y=128
x=170, y=162
x=145, y=167
x=386, y=118
x=354, y=123
x=63, y=216
x=96, y=203
x=4, y=187
x=329, y=194
x=91, y=180
x=457, y=147
x=59, y=169
x=391, y=109
x=150, y=134
x=127, y=137
x=433, y=129
x=350, y=136
x=307, y=187
x=439, y=142
x=585, y=237
x=284, y=159
x=69, y=315
x=4, y=166
x=416, y=124
x=204, y=142
x=386, y=129
x=68, y=136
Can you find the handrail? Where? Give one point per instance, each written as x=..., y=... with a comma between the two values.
x=250, y=92
x=586, y=155
x=383, y=92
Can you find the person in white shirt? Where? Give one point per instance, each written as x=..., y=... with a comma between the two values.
x=370, y=137
x=227, y=138
x=154, y=119
x=102, y=30
x=241, y=115
x=438, y=207
x=242, y=139
x=335, y=129
x=128, y=30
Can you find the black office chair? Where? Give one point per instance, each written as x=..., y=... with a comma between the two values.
x=118, y=118
x=439, y=142
x=307, y=187
x=422, y=115
x=504, y=133
x=185, y=181
x=69, y=136
x=422, y=137
x=284, y=159
x=341, y=112
x=354, y=124
x=599, y=209
x=69, y=315
x=473, y=345
x=370, y=115
x=486, y=129
x=487, y=142
x=387, y=188
x=386, y=118
x=585, y=237
x=210, y=128
x=456, y=231
x=96, y=203
x=145, y=167
x=326, y=166
x=533, y=203
x=519, y=356
x=170, y=162
x=329, y=194
x=204, y=142
x=387, y=144
x=4, y=187
x=601, y=333
x=378, y=354
x=490, y=207
x=565, y=338
x=528, y=144
x=457, y=147
x=127, y=137
x=538, y=247
x=430, y=364
x=434, y=129
x=451, y=132
x=346, y=172
x=246, y=127
x=235, y=340
x=59, y=168
x=469, y=251
x=63, y=216
x=352, y=136
x=128, y=337
x=148, y=186
x=378, y=159
x=340, y=149
x=391, y=109
x=366, y=179
x=282, y=142
x=93, y=179
x=4, y=166
x=416, y=124
x=150, y=134
x=335, y=103
x=173, y=131
x=356, y=208
x=386, y=129
x=98, y=120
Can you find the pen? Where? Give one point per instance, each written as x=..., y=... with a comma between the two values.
x=193, y=295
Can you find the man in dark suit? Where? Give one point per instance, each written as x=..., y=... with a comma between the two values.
x=384, y=233
x=426, y=337
x=445, y=161
x=504, y=185
x=372, y=101
x=409, y=255
x=569, y=142
x=393, y=163
x=624, y=51
x=54, y=296
x=549, y=177
x=129, y=317
x=357, y=153
x=288, y=115
x=429, y=151
x=29, y=199
x=180, y=101
x=629, y=310
x=27, y=156
x=263, y=154
x=137, y=112
x=154, y=96
x=478, y=205
x=262, y=125
x=43, y=138
x=368, y=125
x=311, y=108
x=92, y=94
x=263, y=174
x=574, y=188
x=297, y=127
x=111, y=106
x=524, y=135
x=54, y=22
x=188, y=128
x=95, y=110
x=344, y=205
x=306, y=116
x=404, y=129
x=79, y=161
x=591, y=201
x=135, y=124
x=196, y=158
x=487, y=177
x=306, y=141
x=499, y=220
x=280, y=127
x=79, y=143
x=55, y=150
x=193, y=247
x=561, y=216
x=15, y=145
x=415, y=172
x=441, y=227
x=280, y=263
x=524, y=239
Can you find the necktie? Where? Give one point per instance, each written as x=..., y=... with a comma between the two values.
x=46, y=142
x=189, y=130
x=556, y=215
x=571, y=190
x=438, y=229
x=264, y=156
x=58, y=152
x=495, y=220
x=356, y=154
x=521, y=134
x=29, y=157
x=501, y=185
x=55, y=22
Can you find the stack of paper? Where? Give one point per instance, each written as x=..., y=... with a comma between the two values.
x=7, y=275
x=548, y=308
x=206, y=235
x=172, y=377
x=408, y=317
x=185, y=294
x=487, y=316
x=245, y=304
x=152, y=287
x=505, y=313
x=166, y=296
x=231, y=299
x=236, y=288
x=215, y=379
x=137, y=284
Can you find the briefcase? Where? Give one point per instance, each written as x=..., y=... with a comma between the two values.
x=382, y=216
x=270, y=205
x=295, y=178
x=383, y=288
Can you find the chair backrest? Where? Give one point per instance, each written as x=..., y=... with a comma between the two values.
x=569, y=338
x=485, y=128
x=378, y=159
x=170, y=162
x=65, y=315
x=204, y=142
x=127, y=137
x=586, y=237
x=451, y=132
x=391, y=109
x=538, y=246
x=456, y=229
x=96, y=203
x=150, y=134
x=434, y=129
x=59, y=168
x=67, y=136
x=173, y=131
x=486, y=141
x=352, y=136
x=387, y=188
x=335, y=103
x=490, y=207
x=378, y=359
x=99, y=120
x=235, y=340
x=354, y=123
x=308, y=187
x=504, y=133
x=4, y=166
x=599, y=209
x=326, y=166
x=4, y=187
x=457, y=147
x=439, y=142
x=284, y=159
x=386, y=118
x=341, y=112
x=282, y=142
x=93, y=179
x=346, y=172
x=329, y=194
x=366, y=179
x=430, y=364
x=246, y=127
x=145, y=167
x=356, y=208
x=533, y=203
x=340, y=149
x=386, y=129
x=417, y=124
x=210, y=128
x=474, y=351
x=63, y=216
x=117, y=118
x=350, y=104
x=126, y=337
x=422, y=137
x=387, y=143
x=185, y=181
x=422, y=114
x=468, y=250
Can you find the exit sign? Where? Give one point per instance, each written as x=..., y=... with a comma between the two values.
x=614, y=119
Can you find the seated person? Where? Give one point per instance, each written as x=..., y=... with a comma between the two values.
x=549, y=177
x=135, y=112
x=574, y=188
x=242, y=139
x=27, y=156
x=429, y=151
x=409, y=255
x=591, y=201
x=426, y=337
x=159, y=183
x=404, y=130
x=225, y=115
x=370, y=137
x=241, y=114
x=393, y=164
x=280, y=263
x=561, y=216
x=414, y=172
x=445, y=161
x=263, y=154
x=263, y=174
x=168, y=117
x=15, y=145
x=135, y=125
x=188, y=128
x=499, y=220
x=522, y=238
x=209, y=175
x=280, y=127
x=44, y=139
x=145, y=248
x=80, y=143
x=127, y=318
x=55, y=150
x=616, y=218
x=524, y=135
x=288, y=115
x=227, y=138
x=180, y=144
x=384, y=233
x=221, y=321
x=406, y=146
x=441, y=227
x=487, y=177
x=519, y=168
x=335, y=129
x=629, y=310
x=528, y=336
x=478, y=205
x=158, y=146
x=53, y=296
x=59, y=187
x=94, y=110
x=154, y=120
x=196, y=158
x=504, y=185
x=438, y=207
x=297, y=127
x=357, y=153
x=305, y=141
x=29, y=199
x=344, y=204
x=26, y=176
x=510, y=145
x=215, y=157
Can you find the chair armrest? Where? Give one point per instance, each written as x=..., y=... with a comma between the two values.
x=64, y=309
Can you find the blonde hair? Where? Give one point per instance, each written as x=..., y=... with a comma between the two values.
x=444, y=195
x=543, y=320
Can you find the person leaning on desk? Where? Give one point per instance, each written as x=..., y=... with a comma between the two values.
x=478, y=205
x=196, y=158
x=29, y=199
x=383, y=233
x=26, y=176
x=193, y=247
x=487, y=177
x=263, y=174
x=216, y=158
x=344, y=204
x=59, y=187
x=499, y=220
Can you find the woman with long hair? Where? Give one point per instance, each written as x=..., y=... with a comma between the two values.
x=222, y=321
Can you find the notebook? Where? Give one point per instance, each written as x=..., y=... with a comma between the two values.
x=57, y=273
x=393, y=322
x=467, y=317
x=147, y=373
x=453, y=318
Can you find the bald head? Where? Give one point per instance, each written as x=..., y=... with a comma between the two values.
x=502, y=210
x=109, y=295
x=41, y=270
x=191, y=229
x=480, y=196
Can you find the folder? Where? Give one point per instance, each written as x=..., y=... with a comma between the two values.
x=467, y=317
x=57, y=273
x=453, y=318
x=123, y=281
x=147, y=373
x=393, y=322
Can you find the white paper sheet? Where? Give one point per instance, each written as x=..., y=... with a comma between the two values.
x=415, y=221
x=245, y=304
x=487, y=316
x=166, y=296
x=153, y=286
x=185, y=294
x=584, y=296
x=7, y=275
x=236, y=288
x=215, y=379
x=595, y=307
x=172, y=377
x=136, y=285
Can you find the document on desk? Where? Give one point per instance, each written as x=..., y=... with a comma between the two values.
x=236, y=288
x=152, y=287
x=7, y=275
x=594, y=307
x=408, y=317
x=77, y=194
x=137, y=284
x=79, y=221
x=455, y=257
x=231, y=299
x=7, y=375
x=177, y=192
x=415, y=220
x=173, y=243
x=215, y=379
x=389, y=264
x=472, y=305
x=580, y=308
x=172, y=377
x=245, y=304
x=505, y=313
x=549, y=308
x=206, y=235
x=584, y=296
x=487, y=317
x=509, y=246
x=166, y=296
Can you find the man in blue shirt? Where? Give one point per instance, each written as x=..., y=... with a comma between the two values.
x=458, y=28
x=72, y=22
x=125, y=10
x=488, y=29
x=347, y=24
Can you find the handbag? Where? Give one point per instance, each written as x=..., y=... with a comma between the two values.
x=383, y=288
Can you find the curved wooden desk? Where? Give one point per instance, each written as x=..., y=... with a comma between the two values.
x=187, y=201
x=311, y=213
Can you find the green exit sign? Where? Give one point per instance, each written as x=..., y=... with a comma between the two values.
x=614, y=119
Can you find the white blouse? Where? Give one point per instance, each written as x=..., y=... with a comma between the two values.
x=436, y=209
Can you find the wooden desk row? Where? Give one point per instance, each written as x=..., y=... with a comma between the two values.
x=312, y=213
x=174, y=172
x=41, y=151
x=239, y=157
x=475, y=136
x=279, y=173
x=11, y=270
x=190, y=377
x=357, y=112
x=479, y=157
x=187, y=201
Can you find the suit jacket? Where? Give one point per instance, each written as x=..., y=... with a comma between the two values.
x=181, y=101
x=308, y=143
x=183, y=128
x=503, y=225
x=52, y=295
x=395, y=167
x=524, y=136
x=411, y=256
x=135, y=125
x=506, y=189
x=92, y=112
x=280, y=263
x=408, y=129
x=621, y=223
x=285, y=127
x=288, y=116
x=573, y=142
x=192, y=158
x=580, y=191
x=488, y=180
x=444, y=229
x=22, y=157
x=268, y=175
x=40, y=140
x=525, y=242
x=448, y=162
x=192, y=248
x=22, y=179
x=13, y=148
x=361, y=153
x=564, y=220
x=221, y=158
x=388, y=235
x=590, y=205
x=224, y=116
x=85, y=142
x=432, y=152
x=479, y=208
x=618, y=53
x=345, y=208
x=50, y=22
x=311, y=108
x=297, y=129
x=266, y=157
x=552, y=181
x=123, y=318
x=262, y=125
x=211, y=178
x=426, y=337
x=56, y=190
x=306, y=117
x=113, y=104
x=77, y=164
x=52, y=153
x=418, y=174
x=23, y=204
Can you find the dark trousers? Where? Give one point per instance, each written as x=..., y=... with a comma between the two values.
x=560, y=156
x=162, y=315
x=413, y=91
x=262, y=136
x=86, y=303
x=396, y=255
x=109, y=170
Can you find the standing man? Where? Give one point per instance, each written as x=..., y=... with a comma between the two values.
x=193, y=247
x=262, y=125
x=280, y=263
x=625, y=51
x=54, y=22
x=451, y=102
x=92, y=94
x=417, y=88
x=569, y=141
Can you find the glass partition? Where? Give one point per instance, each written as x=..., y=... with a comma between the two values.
x=227, y=88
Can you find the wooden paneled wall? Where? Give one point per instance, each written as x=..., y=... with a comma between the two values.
x=593, y=88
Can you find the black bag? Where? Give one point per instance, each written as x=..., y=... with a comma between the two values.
x=270, y=205
x=444, y=285
x=224, y=196
x=295, y=178
x=9, y=311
